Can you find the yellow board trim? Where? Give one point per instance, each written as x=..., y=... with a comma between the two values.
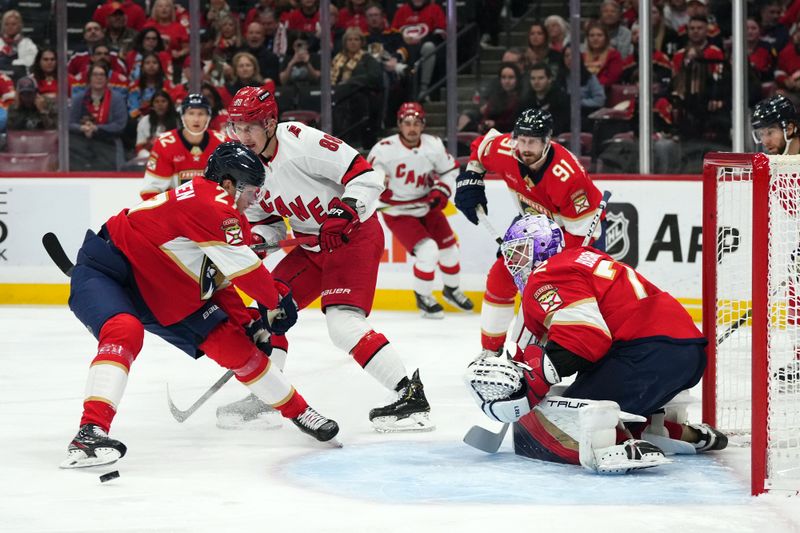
x=385, y=299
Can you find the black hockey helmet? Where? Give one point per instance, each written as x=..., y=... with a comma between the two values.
x=195, y=100
x=774, y=110
x=235, y=162
x=534, y=123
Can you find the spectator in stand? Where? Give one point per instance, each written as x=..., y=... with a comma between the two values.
x=255, y=12
x=502, y=103
x=94, y=36
x=336, y=33
x=787, y=75
x=161, y=117
x=147, y=41
x=593, y=95
x=229, y=37
x=245, y=74
x=118, y=82
x=675, y=14
x=45, y=72
x=619, y=36
x=422, y=24
x=301, y=69
x=600, y=58
x=515, y=55
x=97, y=118
x=153, y=79
x=31, y=111
x=772, y=30
x=135, y=16
x=387, y=47
x=219, y=114
x=254, y=43
x=698, y=8
x=661, y=71
x=217, y=10
x=164, y=18
x=354, y=14
x=269, y=20
x=665, y=39
x=542, y=93
x=303, y=19
x=17, y=52
x=630, y=11
x=7, y=93
x=539, y=52
x=357, y=80
x=761, y=55
x=557, y=32
x=118, y=35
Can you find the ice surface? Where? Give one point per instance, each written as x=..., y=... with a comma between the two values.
x=194, y=477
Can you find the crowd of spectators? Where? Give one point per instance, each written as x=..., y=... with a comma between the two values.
x=131, y=68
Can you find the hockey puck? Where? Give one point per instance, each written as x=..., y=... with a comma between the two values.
x=109, y=476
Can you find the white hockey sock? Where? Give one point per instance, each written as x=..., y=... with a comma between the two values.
x=449, y=266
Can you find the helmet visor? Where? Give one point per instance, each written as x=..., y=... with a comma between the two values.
x=247, y=195
x=243, y=131
x=773, y=130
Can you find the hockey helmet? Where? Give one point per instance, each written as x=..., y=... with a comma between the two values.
x=253, y=104
x=235, y=162
x=534, y=123
x=776, y=110
x=528, y=242
x=411, y=109
x=195, y=100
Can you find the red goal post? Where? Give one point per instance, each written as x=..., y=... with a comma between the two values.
x=751, y=220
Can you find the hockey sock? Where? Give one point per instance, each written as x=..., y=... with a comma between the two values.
x=267, y=382
x=496, y=315
x=375, y=355
x=120, y=341
x=449, y=266
x=280, y=350
x=426, y=254
x=423, y=281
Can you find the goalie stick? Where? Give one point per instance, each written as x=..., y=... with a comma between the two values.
x=481, y=438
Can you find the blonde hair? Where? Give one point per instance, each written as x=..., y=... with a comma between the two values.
x=7, y=15
x=172, y=16
x=250, y=57
x=353, y=30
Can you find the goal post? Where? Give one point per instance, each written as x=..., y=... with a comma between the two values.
x=751, y=237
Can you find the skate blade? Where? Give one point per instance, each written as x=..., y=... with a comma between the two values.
x=103, y=456
x=333, y=443
x=415, y=422
x=626, y=466
x=438, y=315
x=455, y=304
x=261, y=423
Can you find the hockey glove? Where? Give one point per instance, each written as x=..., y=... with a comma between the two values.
x=342, y=221
x=538, y=371
x=258, y=332
x=258, y=239
x=470, y=193
x=287, y=310
x=438, y=196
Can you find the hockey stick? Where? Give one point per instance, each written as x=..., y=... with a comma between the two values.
x=310, y=240
x=56, y=252
x=181, y=416
x=483, y=218
x=481, y=438
x=742, y=320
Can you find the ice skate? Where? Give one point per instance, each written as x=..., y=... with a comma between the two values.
x=710, y=439
x=321, y=428
x=410, y=412
x=248, y=413
x=790, y=373
x=629, y=456
x=93, y=447
x=456, y=297
x=428, y=306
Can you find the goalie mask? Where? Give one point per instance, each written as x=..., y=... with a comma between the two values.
x=529, y=242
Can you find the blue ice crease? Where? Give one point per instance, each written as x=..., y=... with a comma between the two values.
x=414, y=472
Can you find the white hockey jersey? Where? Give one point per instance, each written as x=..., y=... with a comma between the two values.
x=308, y=170
x=411, y=172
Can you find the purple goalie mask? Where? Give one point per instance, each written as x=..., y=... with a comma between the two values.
x=529, y=242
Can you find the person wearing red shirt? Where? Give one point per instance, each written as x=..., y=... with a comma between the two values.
x=176, y=39
x=600, y=58
x=423, y=25
x=354, y=14
x=134, y=14
x=304, y=19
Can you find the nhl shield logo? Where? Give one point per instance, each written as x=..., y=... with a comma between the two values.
x=618, y=242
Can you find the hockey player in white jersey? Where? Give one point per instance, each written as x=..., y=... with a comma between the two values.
x=324, y=187
x=420, y=178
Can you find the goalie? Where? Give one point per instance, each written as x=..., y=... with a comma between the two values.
x=632, y=345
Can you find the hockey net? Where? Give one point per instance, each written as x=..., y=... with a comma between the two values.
x=751, y=218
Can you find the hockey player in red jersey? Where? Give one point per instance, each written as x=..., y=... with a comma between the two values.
x=166, y=266
x=630, y=343
x=324, y=187
x=179, y=155
x=420, y=177
x=544, y=178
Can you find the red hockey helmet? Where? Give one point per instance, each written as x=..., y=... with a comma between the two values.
x=411, y=109
x=253, y=104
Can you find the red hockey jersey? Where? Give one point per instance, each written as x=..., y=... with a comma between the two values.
x=184, y=244
x=584, y=300
x=173, y=160
x=560, y=188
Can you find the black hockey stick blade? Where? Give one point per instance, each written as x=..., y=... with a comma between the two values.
x=484, y=440
x=56, y=253
x=181, y=416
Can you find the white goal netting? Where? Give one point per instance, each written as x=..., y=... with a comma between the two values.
x=734, y=298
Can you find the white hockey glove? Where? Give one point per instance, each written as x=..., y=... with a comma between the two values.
x=498, y=387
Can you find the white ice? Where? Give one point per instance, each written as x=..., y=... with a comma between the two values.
x=194, y=477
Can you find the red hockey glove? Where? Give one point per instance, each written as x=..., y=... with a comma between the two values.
x=258, y=239
x=342, y=221
x=438, y=196
x=538, y=371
